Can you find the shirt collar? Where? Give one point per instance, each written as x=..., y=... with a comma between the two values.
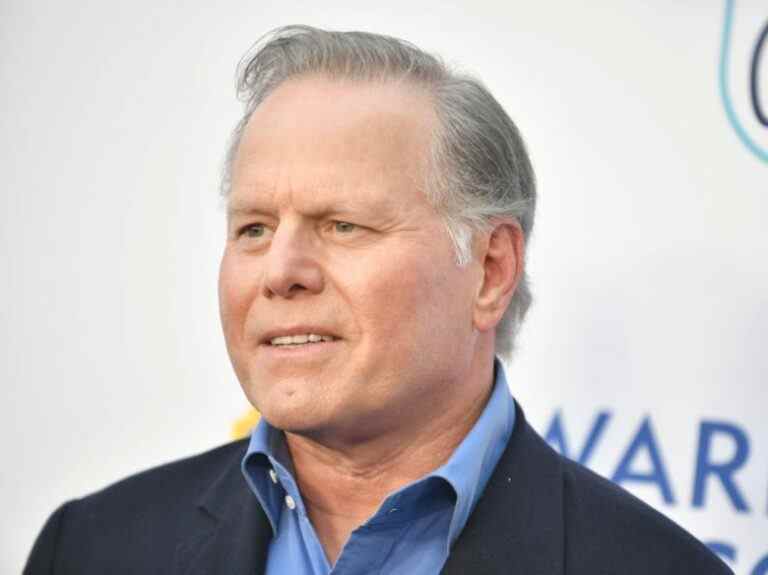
x=268, y=469
x=472, y=463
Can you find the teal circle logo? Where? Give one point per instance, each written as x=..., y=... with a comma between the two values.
x=757, y=103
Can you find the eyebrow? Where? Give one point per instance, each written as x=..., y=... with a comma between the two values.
x=318, y=212
x=242, y=209
x=238, y=208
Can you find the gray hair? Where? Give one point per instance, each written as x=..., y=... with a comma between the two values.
x=480, y=172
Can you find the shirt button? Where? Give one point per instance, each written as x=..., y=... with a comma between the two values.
x=273, y=475
x=290, y=502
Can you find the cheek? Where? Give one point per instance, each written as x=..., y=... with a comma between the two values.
x=236, y=290
x=410, y=299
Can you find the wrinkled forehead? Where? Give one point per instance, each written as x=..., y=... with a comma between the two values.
x=316, y=95
x=333, y=134
x=321, y=118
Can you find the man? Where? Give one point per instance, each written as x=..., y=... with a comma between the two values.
x=378, y=210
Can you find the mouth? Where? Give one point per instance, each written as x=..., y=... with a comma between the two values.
x=298, y=340
x=295, y=337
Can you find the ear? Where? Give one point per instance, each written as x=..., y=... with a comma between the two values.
x=501, y=255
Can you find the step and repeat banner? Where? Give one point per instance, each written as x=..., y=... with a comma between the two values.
x=644, y=356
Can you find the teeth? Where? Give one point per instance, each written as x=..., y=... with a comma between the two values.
x=299, y=339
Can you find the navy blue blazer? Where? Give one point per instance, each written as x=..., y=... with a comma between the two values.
x=541, y=514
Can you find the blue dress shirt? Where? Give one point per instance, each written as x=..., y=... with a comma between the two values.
x=412, y=531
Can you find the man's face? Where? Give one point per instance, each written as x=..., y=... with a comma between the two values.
x=331, y=235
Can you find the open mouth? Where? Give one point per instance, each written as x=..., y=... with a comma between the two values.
x=300, y=340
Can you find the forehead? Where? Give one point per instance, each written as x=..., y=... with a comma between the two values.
x=335, y=135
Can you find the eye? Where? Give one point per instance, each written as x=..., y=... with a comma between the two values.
x=252, y=231
x=344, y=227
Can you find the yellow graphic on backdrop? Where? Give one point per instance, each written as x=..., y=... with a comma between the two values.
x=242, y=427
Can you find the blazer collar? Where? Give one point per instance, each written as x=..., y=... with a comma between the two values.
x=517, y=525
x=228, y=532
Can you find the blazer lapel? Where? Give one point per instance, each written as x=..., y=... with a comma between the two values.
x=228, y=532
x=517, y=526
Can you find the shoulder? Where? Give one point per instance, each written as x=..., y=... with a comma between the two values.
x=145, y=512
x=179, y=481
x=543, y=513
x=609, y=530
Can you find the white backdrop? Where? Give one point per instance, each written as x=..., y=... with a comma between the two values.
x=649, y=260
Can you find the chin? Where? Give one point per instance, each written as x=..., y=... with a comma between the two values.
x=286, y=410
x=294, y=420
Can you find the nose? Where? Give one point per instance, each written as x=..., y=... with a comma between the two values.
x=291, y=268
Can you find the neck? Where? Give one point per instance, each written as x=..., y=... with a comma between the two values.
x=344, y=485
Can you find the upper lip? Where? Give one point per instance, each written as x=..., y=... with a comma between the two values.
x=271, y=334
